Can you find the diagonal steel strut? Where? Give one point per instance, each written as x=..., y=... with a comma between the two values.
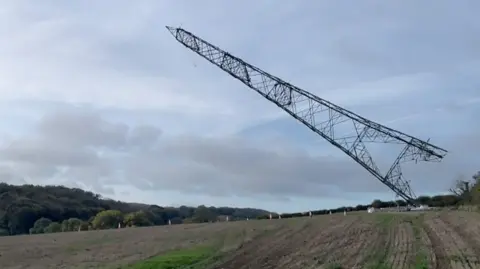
x=309, y=109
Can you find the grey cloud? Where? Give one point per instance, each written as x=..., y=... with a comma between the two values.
x=345, y=47
x=144, y=136
x=83, y=128
x=46, y=151
x=8, y=175
x=214, y=166
x=240, y=168
x=73, y=144
x=455, y=131
x=80, y=146
x=261, y=167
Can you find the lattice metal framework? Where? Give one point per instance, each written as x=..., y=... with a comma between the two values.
x=322, y=116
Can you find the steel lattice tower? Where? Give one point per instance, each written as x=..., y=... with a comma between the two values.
x=309, y=110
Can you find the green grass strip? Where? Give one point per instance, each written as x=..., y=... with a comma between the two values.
x=421, y=258
x=193, y=258
x=378, y=259
x=334, y=266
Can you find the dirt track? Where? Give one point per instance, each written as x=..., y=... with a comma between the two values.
x=438, y=240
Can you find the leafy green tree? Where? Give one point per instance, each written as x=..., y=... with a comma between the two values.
x=176, y=220
x=156, y=215
x=40, y=225
x=204, y=214
x=186, y=212
x=4, y=232
x=139, y=218
x=424, y=200
x=107, y=219
x=170, y=213
x=53, y=227
x=84, y=226
x=377, y=203
x=71, y=224
x=188, y=220
x=21, y=220
x=361, y=207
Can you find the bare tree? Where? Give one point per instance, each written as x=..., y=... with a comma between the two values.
x=476, y=188
x=462, y=187
x=476, y=178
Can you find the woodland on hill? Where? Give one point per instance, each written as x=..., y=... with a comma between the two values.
x=43, y=209
x=30, y=209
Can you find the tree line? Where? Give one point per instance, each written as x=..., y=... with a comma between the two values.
x=463, y=192
x=42, y=209
x=432, y=201
x=46, y=209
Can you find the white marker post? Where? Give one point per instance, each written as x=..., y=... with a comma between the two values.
x=119, y=225
x=279, y=216
x=345, y=212
x=310, y=214
x=169, y=222
x=226, y=218
x=270, y=216
x=330, y=213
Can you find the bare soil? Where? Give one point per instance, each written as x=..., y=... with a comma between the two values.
x=400, y=241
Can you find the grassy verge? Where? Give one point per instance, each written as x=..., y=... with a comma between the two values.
x=201, y=257
x=193, y=258
x=421, y=258
x=334, y=266
x=377, y=260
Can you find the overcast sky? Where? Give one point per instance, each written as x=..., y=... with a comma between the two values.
x=98, y=94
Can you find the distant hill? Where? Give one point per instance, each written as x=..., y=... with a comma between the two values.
x=21, y=206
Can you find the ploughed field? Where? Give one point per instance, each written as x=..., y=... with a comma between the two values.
x=358, y=240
